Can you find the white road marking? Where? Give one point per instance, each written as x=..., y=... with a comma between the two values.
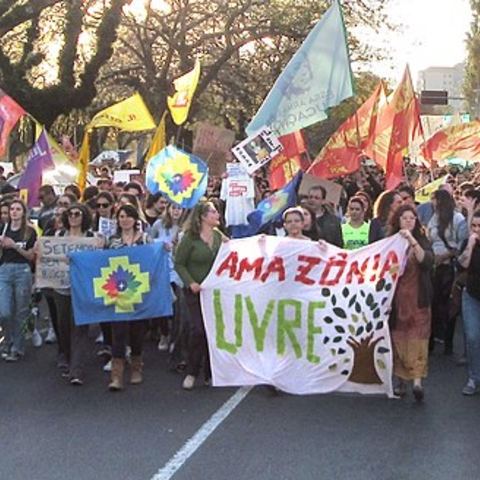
x=195, y=442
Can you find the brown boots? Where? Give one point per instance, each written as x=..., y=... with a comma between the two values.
x=116, y=375
x=118, y=365
x=136, y=370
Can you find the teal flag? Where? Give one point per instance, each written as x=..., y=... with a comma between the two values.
x=317, y=77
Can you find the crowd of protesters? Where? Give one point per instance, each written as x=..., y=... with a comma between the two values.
x=441, y=275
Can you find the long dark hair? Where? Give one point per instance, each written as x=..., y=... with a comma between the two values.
x=130, y=211
x=383, y=204
x=444, y=210
x=86, y=217
x=394, y=225
x=313, y=232
x=24, y=224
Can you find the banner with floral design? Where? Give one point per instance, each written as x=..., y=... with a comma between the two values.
x=131, y=283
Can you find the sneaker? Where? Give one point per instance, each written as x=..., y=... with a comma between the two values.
x=12, y=357
x=163, y=344
x=461, y=361
x=189, y=382
x=36, y=338
x=105, y=351
x=99, y=339
x=470, y=388
x=76, y=381
x=108, y=366
x=51, y=337
x=5, y=352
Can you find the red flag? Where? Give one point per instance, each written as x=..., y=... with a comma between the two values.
x=10, y=112
x=458, y=140
x=397, y=125
x=342, y=154
x=286, y=164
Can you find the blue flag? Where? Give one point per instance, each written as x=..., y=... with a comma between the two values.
x=178, y=176
x=271, y=209
x=317, y=77
x=130, y=283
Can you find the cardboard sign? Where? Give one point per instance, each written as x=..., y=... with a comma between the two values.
x=52, y=265
x=257, y=150
x=334, y=191
x=213, y=145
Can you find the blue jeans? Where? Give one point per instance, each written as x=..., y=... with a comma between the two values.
x=15, y=295
x=471, y=329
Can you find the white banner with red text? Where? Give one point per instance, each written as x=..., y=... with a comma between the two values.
x=301, y=316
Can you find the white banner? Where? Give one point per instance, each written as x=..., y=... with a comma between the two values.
x=303, y=317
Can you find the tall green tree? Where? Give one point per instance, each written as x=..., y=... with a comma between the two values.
x=243, y=44
x=51, y=52
x=471, y=85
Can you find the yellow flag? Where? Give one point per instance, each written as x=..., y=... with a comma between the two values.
x=83, y=160
x=179, y=103
x=159, y=141
x=422, y=195
x=131, y=115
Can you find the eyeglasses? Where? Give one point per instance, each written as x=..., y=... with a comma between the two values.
x=103, y=205
x=75, y=213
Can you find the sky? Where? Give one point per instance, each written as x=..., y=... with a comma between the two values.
x=433, y=35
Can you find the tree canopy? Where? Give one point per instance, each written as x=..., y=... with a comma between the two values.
x=60, y=57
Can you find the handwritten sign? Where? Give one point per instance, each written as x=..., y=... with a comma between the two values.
x=53, y=266
x=300, y=316
x=213, y=145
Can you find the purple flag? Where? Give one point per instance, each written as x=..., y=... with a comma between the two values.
x=39, y=160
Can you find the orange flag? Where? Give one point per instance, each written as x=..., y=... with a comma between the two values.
x=458, y=140
x=397, y=125
x=288, y=162
x=10, y=112
x=342, y=154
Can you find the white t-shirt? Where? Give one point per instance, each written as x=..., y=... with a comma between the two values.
x=239, y=195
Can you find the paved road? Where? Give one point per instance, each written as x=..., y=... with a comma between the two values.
x=51, y=430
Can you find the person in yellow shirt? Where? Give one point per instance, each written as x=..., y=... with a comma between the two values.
x=355, y=231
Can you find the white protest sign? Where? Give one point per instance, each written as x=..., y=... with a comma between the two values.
x=107, y=226
x=300, y=316
x=257, y=150
x=52, y=264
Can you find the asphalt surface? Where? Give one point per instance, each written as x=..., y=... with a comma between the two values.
x=52, y=430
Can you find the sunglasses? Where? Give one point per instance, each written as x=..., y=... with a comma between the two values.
x=75, y=214
x=63, y=204
x=103, y=205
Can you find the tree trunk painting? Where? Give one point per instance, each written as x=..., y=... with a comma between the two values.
x=364, y=370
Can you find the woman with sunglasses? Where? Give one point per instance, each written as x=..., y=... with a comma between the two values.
x=17, y=240
x=128, y=235
x=72, y=339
